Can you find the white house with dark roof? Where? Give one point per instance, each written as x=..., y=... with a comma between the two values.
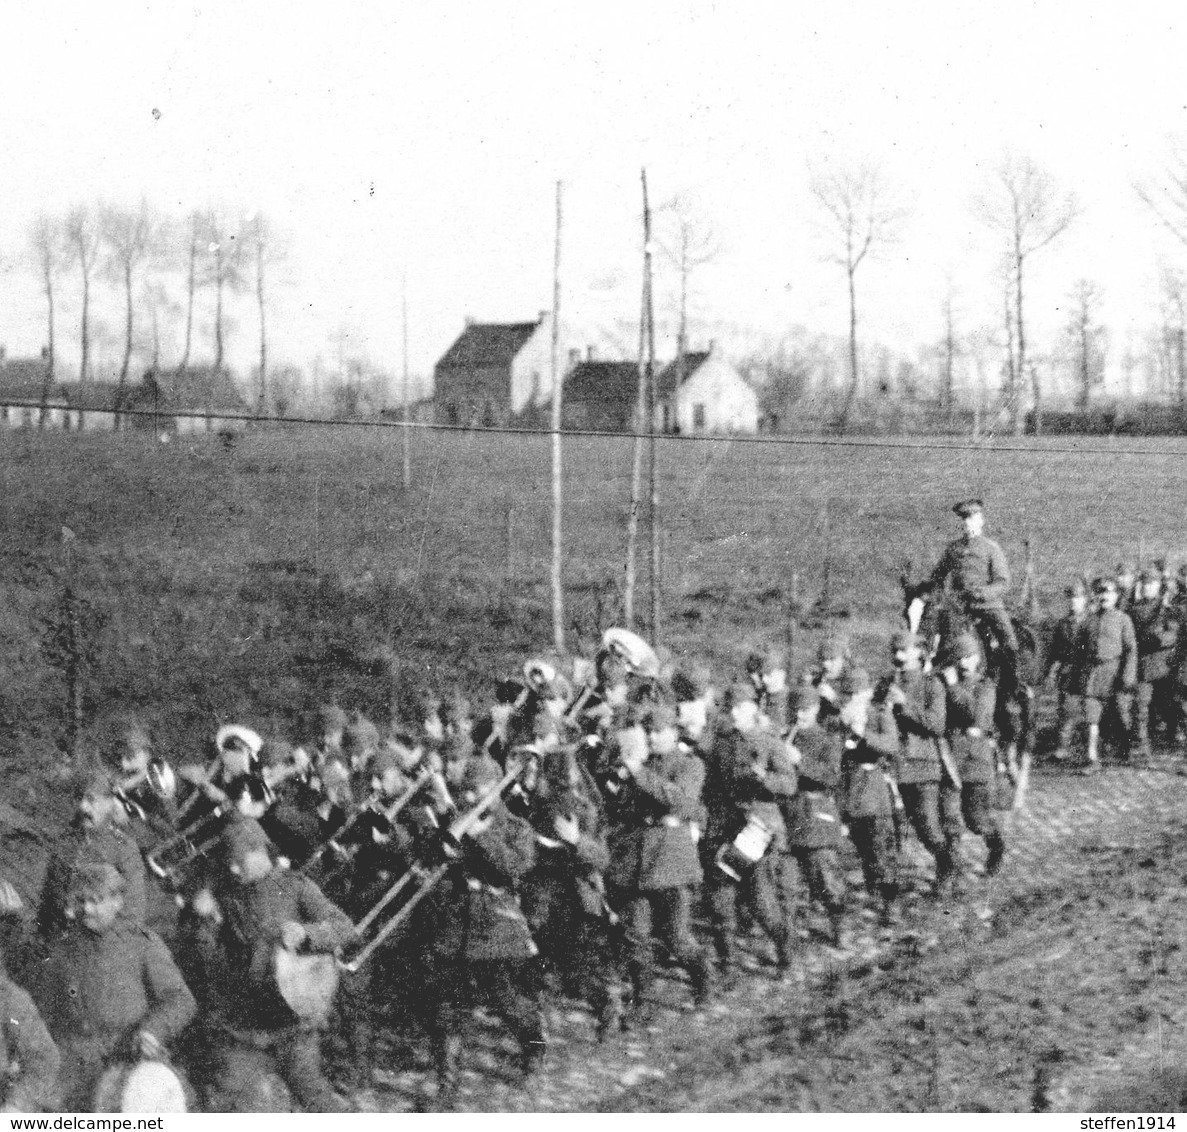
x=704, y=395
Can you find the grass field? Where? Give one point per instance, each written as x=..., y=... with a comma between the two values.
x=254, y=581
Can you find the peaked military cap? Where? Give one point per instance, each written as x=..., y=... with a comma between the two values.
x=967, y=507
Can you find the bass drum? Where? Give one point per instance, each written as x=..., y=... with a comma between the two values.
x=142, y=1087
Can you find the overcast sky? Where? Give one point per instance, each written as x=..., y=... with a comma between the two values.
x=392, y=139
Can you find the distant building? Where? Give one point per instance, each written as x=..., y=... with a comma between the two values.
x=196, y=399
x=27, y=380
x=713, y=397
x=494, y=372
x=600, y=396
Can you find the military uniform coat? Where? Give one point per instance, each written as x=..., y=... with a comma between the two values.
x=29, y=1059
x=977, y=570
x=811, y=817
x=96, y=991
x=1111, y=655
x=1156, y=630
x=1067, y=650
x=971, y=705
x=651, y=843
x=476, y=915
x=747, y=774
x=919, y=722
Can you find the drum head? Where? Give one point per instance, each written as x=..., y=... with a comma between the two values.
x=307, y=983
x=147, y=1086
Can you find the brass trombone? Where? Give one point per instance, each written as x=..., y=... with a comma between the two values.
x=400, y=900
x=370, y=806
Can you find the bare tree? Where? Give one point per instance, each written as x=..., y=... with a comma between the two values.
x=1085, y=336
x=82, y=237
x=224, y=270
x=1173, y=331
x=131, y=237
x=194, y=228
x=1025, y=208
x=263, y=246
x=49, y=250
x=862, y=217
x=688, y=242
x=1165, y=194
x=951, y=351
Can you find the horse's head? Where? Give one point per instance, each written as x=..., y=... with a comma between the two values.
x=916, y=597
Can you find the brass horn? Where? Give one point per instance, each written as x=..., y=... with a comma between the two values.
x=396, y=905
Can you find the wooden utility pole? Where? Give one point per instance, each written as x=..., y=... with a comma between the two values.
x=407, y=480
x=632, y=527
x=558, y=605
x=649, y=314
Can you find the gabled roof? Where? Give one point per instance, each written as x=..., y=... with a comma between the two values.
x=488, y=344
x=665, y=380
x=607, y=383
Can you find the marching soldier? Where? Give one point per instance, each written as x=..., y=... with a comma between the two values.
x=1156, y=628
x=94, y=838
x=813, y=821
x=653, y=857
x=768, y=673
x=979, y=574
x=474, y=930
x=108, y=988
x=871, y=743
x=748, y=776
x=969, y=732
x=258, y=921
x=835, y=668
x=1065, y=662
x=1110, y=664
x=1126, y=578
x=147, y=789
x=913, y=705
x=564, y=894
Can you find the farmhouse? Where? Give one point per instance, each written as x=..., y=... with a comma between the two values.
x=600, y=396
x=26, y=380
x=712, y=397
x=493, y=372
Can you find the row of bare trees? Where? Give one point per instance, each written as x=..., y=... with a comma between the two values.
x=146, y=257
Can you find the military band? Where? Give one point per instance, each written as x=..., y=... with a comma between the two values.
x=601, y=823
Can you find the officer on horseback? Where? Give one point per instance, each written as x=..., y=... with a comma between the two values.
x=977, y=570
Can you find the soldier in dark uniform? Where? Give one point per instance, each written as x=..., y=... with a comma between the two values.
x=255, y=911
x=748, y=776
x=914, y=705
x=653, y=857
x=107, y=988
x=1065, y=660
x=29, y=1059
x=977, y=570
x=696, y=704
x=1126, y=578
x=1110, y=664
x=834, y=669
x=1156, y=627
x=473, y=930
x=969, y=731
x=94, y=838
x=812, y=818
x=871, y=743
x=564, y=894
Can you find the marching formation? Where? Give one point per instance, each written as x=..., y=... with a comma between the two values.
x=604, y=822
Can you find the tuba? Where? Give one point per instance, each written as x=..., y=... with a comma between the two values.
x=160, y=779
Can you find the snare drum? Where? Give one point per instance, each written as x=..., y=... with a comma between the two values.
x=749, y=847
x=143, y=1086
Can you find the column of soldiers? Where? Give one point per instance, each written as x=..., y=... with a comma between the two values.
x=600, y=825
x=1118, y=658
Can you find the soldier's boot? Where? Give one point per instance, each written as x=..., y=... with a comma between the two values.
x=839, y=931
x=446, y=1055
x=609, y=1012
x=890, y=916
x=533, y=1049
x=945, y=874
x=784, y=950
x=700, y=970
x=997, y=853
x=1140, y=752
